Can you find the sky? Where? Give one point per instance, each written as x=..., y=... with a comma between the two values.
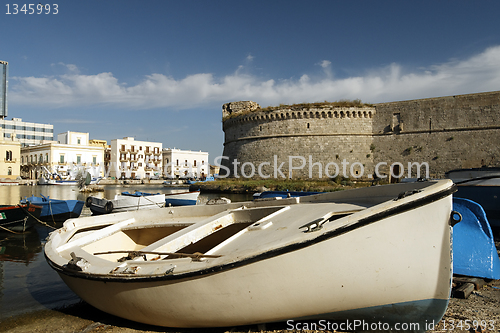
x=161, y=70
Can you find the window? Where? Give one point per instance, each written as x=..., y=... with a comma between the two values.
x=94, y=160
x=8, y=155
x=79, y=141
x=78, y=159
x=40, y=159
x=9, y=171
x=194, y=162
x=47, y=158
x=61, y=158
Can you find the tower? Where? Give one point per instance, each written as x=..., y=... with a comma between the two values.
x=4, y=72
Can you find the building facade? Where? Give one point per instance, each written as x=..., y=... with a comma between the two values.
x=10, y=158
x=70, y=154
x=27, y=133
x=133, y=159
x=185, y=164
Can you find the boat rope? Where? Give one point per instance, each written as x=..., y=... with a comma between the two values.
x=12, y=231
x=51, y=212
x=145, y=197
x=37, y=219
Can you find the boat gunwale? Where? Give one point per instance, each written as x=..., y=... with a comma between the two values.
x=398, y=209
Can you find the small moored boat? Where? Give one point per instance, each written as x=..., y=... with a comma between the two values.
x=18, y=218
x=182, y=198
x=54, y=210
x=378, y=253
x=125, y=202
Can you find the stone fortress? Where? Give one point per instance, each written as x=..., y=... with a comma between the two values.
x=321, y=140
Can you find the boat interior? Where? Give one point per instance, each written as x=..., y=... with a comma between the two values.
x=202, y=233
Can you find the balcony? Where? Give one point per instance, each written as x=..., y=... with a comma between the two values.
x=126, y=159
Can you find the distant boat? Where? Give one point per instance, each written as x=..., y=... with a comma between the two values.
x=182, y=198
x=70, y=182
x=125, y=202
x=208, y=179
x=481, y=185
x=54, y=210
x=373, y=254
x=54, y=178
x=8, y=182
x=18, y=218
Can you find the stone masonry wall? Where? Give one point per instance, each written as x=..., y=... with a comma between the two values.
x=319, y=138
x=448, y=132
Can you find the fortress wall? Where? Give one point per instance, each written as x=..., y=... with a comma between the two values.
x=447, y=132
x=320, y=135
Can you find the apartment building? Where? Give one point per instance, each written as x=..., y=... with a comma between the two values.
x=27, y=133
x=185, y=163
x=129, y=158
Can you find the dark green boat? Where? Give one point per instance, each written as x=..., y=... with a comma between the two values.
x=18, y=218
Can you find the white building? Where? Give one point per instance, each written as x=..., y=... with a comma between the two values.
x=66, y=156
x=27, y=133
x=134, y=159
x=185, y=164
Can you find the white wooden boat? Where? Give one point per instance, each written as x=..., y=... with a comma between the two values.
x=377, y=254
x=125, y=202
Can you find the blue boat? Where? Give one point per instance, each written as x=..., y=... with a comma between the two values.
x=474, y=251
x=54, y=210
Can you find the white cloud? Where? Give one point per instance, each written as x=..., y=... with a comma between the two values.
x=480, y=72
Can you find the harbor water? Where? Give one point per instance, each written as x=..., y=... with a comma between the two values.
x=27, y=283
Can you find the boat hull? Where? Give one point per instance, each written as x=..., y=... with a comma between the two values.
x=19, y=218
x=182, y=199
x=481, y=185
x=474, y=248
x=373, y=273
x=125, y=203
x=54, y=210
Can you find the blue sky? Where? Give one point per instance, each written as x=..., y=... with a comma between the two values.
x=161, y=70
